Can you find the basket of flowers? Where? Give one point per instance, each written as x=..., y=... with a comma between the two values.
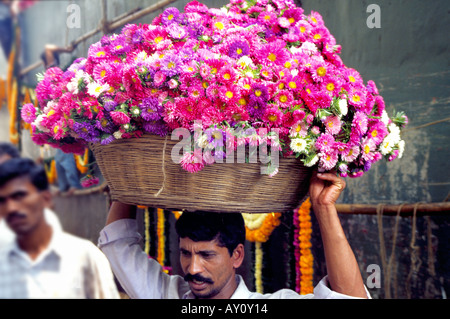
x=217, y=109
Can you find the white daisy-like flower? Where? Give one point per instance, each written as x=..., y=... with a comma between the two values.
x=343, y=107
x=312, y=161
x=298, y=145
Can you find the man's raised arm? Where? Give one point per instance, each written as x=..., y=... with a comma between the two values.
x=343, y=272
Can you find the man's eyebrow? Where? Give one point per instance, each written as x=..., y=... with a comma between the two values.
x=202, y=252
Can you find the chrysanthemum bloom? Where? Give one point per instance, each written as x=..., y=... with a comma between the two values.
x=86, y=131
x=299, y=145
x=28, y=113
x=284, y=99
x=212, y=91
x=273, y=117
x=332, y=124
x=196, y=92
x=300, y=128
x=273, y=53
x=120, y=117
x=377, y=131
x=267, y=18
x=328, y=160
x=151, y=109
x=192, y=163
x=349, y=153
x=229, y=94
x=325, y=143
x=367, y=149
x=226, y=75
x=170, y=16
x=359, y=123
x=357, y=97
x=238, y=48
x=171, y=64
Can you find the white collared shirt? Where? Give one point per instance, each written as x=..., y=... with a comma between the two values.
x=143, y=277
x=70, y=267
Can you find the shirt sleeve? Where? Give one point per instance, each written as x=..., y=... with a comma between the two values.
x=139, y=275
x=100, y=278
x=323, y=291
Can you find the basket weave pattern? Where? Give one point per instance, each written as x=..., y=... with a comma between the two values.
x=136, y=174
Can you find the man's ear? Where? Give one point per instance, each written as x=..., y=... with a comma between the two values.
x=47, y=198
x=238, y=256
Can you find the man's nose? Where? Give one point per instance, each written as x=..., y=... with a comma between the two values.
x=195, y=265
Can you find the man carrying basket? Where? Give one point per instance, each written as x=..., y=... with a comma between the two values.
x=212, y=248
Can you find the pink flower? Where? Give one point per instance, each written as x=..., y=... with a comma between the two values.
x=192, y=162
x=89, y=181
x=28, y=113
x=120, y=117
x=332, y=125
x=328, y=160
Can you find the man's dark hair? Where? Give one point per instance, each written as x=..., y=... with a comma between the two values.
x=9, y=149
x=55, y=56
x=227, y=228
x=21, y=167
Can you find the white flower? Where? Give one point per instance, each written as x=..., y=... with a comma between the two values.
x=401, y=148
x=117, y=135
x=312, y=161
x=298, y=145
x=394, y=133
x=245, y=61
x=95, y=88
x=343, y=107
x=38, y=124
x=308, y=48
x=385, y=117
x=387, y=145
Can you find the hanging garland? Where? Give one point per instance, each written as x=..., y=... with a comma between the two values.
x=146, y=231
x=258, y=228
x=82, y=161
x=304, y=259
x=3, y=94
x=161, y=256
x=50, y=170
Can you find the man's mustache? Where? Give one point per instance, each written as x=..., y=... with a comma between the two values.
x=13, y=216
x=197, y=277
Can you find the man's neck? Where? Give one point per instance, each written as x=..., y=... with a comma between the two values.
x=36, y=241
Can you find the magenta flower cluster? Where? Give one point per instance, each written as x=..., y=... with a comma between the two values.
x=261, y=64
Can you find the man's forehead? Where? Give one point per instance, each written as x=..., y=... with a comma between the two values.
x=188, y=244
x=20, y=183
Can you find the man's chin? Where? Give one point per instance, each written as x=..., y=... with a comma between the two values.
x=202, y=291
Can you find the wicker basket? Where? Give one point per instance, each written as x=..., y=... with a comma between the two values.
x=136, y=174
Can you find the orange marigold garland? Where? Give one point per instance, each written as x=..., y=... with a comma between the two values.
x=161, y=255
x=82, y=161
x=304, y=259
x=258, y=228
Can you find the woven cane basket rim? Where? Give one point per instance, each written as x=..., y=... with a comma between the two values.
x=140, y=171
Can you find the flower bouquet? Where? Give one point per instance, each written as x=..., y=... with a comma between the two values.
x=255, y=72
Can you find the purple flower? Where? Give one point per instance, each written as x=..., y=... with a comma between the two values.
x=170, y=15
x=156, y=127
x=176, y=31
x=237, y=49
x=171, y=64
x=106, y=139
x=86, y=131
x=151, y=109
x=119, y=46
x=137, y=36
x=110, y=105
